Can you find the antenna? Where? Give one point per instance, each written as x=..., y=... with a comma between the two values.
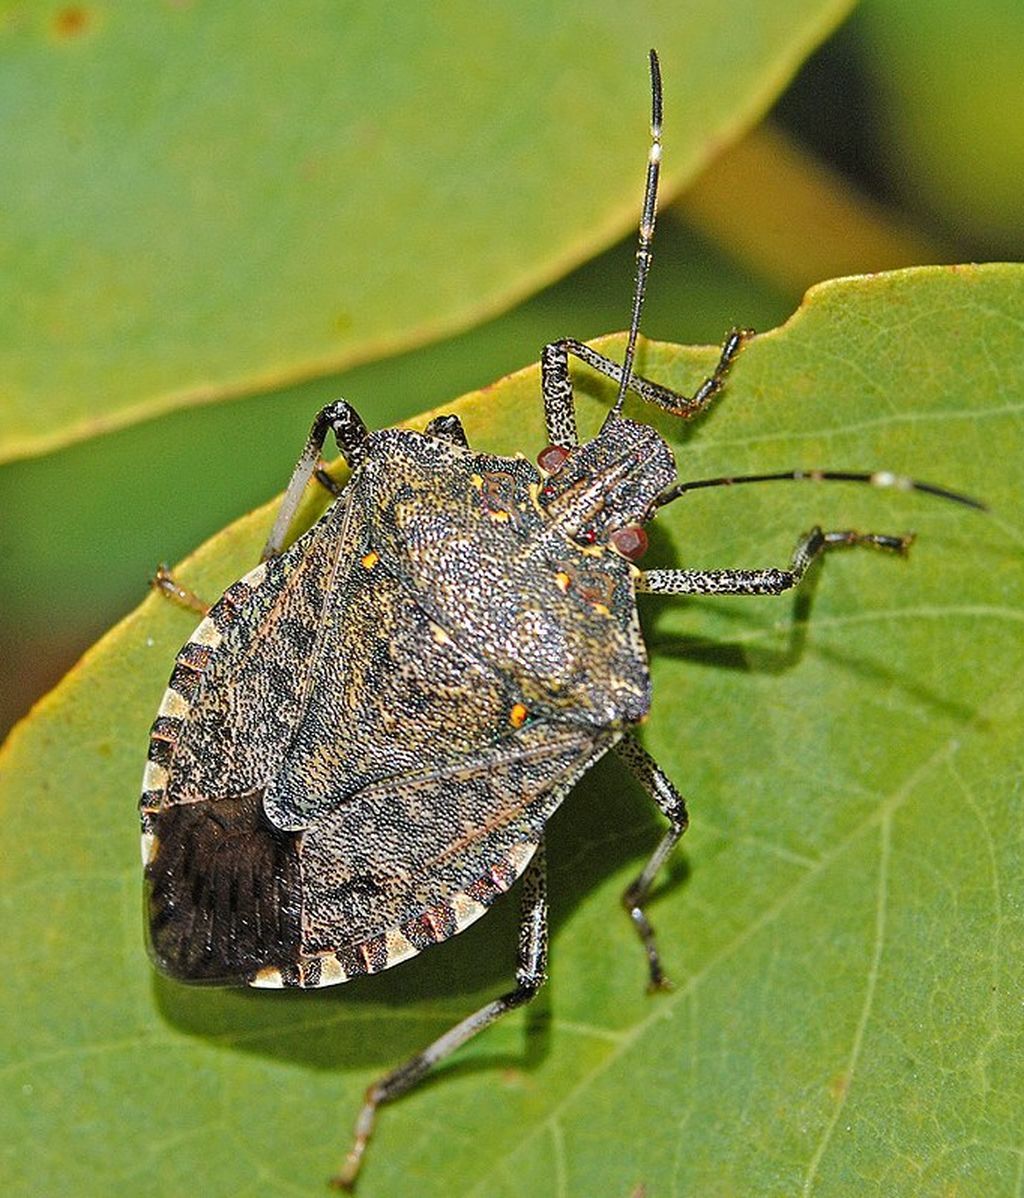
x=643, y=253
x=878, y=478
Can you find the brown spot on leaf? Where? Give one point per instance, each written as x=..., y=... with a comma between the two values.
x=72, y=21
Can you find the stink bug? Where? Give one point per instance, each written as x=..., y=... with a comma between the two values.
x=363, y=739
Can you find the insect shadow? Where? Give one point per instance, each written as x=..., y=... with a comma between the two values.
x=754, y=655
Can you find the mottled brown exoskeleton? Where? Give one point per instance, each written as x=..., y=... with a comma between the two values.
x=362, y=741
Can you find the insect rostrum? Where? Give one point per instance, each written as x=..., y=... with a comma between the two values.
x=362, y=741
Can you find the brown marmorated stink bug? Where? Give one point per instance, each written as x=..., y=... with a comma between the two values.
x=362, y=741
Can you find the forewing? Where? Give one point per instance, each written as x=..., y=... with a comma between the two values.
x=257, y=654
x=391, y=691
x=416, y=859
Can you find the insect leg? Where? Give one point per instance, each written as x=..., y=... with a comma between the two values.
x=349, y=432
x=447, y=428
x=331, y=485
x=772, y=581
x=559, y=406
x=164, y=583
x=653, y=779
x=531, y=974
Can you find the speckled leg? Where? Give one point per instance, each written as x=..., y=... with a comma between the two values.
x=349, y=432
x=448, y=428
x=772, y=581
x=654, y=780
x=559, y=403
x=530, y=976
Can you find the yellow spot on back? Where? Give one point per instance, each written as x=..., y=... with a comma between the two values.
x=517, y=716
x=562, y=580
x=370, y=559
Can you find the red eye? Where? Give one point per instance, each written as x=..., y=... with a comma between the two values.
x=552, y=459
x=630, y=541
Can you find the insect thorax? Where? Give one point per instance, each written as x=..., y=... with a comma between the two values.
x=470, y=537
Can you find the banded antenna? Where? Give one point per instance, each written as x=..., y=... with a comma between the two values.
x=644, y=252
x=877, y=478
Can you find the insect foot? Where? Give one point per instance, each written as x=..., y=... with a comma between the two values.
x=362, y=742
x=164, y=583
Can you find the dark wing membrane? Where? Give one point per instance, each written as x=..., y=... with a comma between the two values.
x=409, y=846
x=224, y=891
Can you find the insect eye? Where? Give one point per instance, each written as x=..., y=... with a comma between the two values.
x=552, y=459
x=630, y=541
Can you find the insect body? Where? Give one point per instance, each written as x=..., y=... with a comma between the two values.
x=384, y=716
x=362, y=741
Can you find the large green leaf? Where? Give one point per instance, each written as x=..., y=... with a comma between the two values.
x=843, y=924
x=204, y=200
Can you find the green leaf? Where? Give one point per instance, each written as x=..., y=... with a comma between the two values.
x=946, y=78
x=209, y=200
x=843, y=923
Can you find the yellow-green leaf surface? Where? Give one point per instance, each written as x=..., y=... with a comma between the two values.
x=204, y=200
x=843, y=924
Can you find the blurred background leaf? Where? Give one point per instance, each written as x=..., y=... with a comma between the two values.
x=942, y=78
x=845, y=947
